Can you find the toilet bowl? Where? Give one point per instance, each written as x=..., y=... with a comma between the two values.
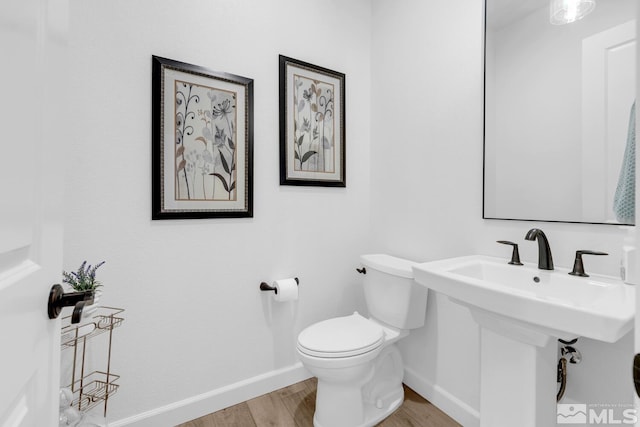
x=359, y=372
x=358, y=366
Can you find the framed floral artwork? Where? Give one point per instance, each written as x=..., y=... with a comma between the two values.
x=202, y=137
x=312, y=125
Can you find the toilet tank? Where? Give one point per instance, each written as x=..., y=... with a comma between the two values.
x=392, y=295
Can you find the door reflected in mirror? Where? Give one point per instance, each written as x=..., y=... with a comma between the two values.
x=559, y=137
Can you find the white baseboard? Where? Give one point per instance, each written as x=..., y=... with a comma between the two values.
x=445, y=401
x=197, y=406
x=194, y=407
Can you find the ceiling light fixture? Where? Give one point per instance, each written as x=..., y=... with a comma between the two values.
x=567, y=11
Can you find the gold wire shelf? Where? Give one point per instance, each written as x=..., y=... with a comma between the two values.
x=93, y=389
x=103, y=320
x=90, y=390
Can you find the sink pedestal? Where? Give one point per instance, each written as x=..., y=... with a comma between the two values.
x=517, y=372
x=517, y=382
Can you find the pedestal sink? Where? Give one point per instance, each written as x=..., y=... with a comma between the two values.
x=522, y=311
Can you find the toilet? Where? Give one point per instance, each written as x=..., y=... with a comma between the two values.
x=355, y=359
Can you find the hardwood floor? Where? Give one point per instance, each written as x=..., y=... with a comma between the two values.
x=293, y=406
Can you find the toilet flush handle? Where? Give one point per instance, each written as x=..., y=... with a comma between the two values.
x=362, y=270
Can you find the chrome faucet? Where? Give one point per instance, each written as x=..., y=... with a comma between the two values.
x=545, y=261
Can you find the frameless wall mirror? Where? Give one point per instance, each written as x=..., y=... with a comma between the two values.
x=559, y=110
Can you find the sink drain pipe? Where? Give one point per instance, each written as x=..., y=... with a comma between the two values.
x=567, y=353
x=562, y=378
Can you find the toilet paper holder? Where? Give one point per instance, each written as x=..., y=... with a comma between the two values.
x=264, y=286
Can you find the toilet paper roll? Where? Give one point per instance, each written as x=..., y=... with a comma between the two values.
x=286, y=290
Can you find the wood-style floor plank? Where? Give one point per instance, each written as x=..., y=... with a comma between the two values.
x=301, y=404
x=268, y=410
x=233, y=416
x=293, y=406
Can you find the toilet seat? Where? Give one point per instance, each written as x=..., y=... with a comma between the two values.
x=341, y=337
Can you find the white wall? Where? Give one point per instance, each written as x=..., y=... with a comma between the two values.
x=426, y=163
x=195, y=319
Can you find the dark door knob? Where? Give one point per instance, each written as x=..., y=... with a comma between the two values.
x=636, y=373
x=58, y=299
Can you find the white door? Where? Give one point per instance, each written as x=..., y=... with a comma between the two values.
x=637, y=236
x=32, y=121
x=608, y=92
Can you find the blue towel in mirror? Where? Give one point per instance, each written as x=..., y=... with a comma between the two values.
x=624, y=201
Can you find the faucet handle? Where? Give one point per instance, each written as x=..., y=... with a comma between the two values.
x=515, y=255
x=578, y=266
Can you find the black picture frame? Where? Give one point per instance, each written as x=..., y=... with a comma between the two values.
x=312, y=125
x=202, y=142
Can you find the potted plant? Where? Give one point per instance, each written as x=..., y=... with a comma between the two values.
x=85, y=280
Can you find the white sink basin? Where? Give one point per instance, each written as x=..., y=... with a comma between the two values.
x=596, y=307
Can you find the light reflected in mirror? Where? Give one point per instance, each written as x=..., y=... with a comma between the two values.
x=558, y=113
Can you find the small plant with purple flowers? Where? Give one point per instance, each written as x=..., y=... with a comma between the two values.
x=84, y=279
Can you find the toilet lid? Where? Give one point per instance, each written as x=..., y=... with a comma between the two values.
x=341, y=337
